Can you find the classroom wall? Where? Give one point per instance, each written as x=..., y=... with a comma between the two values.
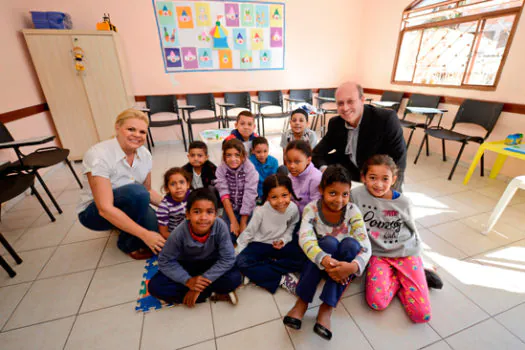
x=376, y=57
x=314, y=58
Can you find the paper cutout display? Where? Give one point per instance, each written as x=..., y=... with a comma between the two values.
x=247, y=15
x=189, y=58
x=262, y=16
x=232, y=14
x=265, y=58
x=276, y=15
x=225, y=59
x=184, y=17
x=202, y=14
x=246, y=59
x=205, y=58
x=172, y=58
x=240, y=42
x=215, y=35
x=276, y=37
x=257, y=39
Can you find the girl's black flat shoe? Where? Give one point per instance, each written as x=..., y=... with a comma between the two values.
x=292, y=322
x=322, y=331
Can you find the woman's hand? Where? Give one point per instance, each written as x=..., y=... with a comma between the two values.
x=154, y=241
x=234, y=227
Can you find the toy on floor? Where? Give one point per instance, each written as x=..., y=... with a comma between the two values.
x=146, y=302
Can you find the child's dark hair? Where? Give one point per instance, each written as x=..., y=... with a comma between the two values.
x=245, y=114
x=198, y=144
x=380, y=159
x=234, y=143
x=203, y=193
x=276, y=180
x=333, y=174
x=173, y=171
x=259, y=141
x=300, y=111
x=300, y=145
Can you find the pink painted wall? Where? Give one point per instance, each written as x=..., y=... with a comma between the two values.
x=376, y=56
x=314, y=58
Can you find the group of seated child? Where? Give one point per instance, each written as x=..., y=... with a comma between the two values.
x=307, y=221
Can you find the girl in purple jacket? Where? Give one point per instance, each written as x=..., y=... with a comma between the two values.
x=305, y=176
x=237, y=181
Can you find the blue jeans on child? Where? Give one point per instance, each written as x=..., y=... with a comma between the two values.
x=346, y=250
x=164, y=288
x=227, y=221
x=133, y=200
x=264, y=265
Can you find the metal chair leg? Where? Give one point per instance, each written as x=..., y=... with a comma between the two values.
x=410, y=137
x=43, y=204
x=482, y=165
x=7, y=268
x=48, y=192
x=148, y=143
x=428, y=151
x=443, y=149
x=74, y=173
x=262, y=122
x=420, y=148
x=183, y=136
x=10, y=249
x=151, y=137
x=457, y=160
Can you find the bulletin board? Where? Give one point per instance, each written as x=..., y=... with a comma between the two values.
x=198, y=36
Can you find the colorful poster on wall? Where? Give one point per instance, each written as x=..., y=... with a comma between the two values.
x=202, y=13
x=262, y=16
x=220, y=35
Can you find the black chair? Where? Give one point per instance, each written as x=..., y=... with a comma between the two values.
x=41, y=158
x=163, y=104
x=11, y=185
x=324, y=96
x=297, y=96
x=270, y=98
x=391, y=96
x=200, y=102
x=419, y=100
x=234, y=100
x=484, y=114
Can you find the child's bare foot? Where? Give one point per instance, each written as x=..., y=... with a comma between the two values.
x=293, y=318
x=324, y=324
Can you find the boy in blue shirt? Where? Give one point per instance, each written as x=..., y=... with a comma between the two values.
x=265, y=164
x=198, y=259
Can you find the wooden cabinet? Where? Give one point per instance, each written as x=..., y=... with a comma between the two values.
x=83, y=104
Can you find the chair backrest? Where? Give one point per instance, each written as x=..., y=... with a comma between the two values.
x=274, y=97
x=158, y=104
x=302, y=94
x=201, y=101
x=392, y=96
x=239, y=99
x=420, y=100
x=327, y=93
x=482, y=113
x=5, y=135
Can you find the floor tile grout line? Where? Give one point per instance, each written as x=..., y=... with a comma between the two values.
x=281, y=317
x=433, y=343
x=466, y=328
x=508, y=330
x=213, y=325
x=70, y=331
x=142, y=330
x=357, y=325
x=37, y=323
x=198, y=343
x=249, y=327
x=30, y=287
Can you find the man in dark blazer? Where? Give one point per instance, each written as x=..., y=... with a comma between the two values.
x=359, y=132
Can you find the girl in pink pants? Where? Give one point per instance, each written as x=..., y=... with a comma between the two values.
x=395, y=267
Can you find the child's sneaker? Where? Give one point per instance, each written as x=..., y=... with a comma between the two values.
x=289, y=282
x=245, y=281
x=231, y=297
x=433, y=279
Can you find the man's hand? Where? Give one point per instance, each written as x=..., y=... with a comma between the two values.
x=198, y=283
x=191, y=298
x=278, y=244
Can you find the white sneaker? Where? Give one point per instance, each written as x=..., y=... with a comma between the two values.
x=231, y=297
x=245, y=281
x=289, y=282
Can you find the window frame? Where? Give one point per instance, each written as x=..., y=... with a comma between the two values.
x=481, y=18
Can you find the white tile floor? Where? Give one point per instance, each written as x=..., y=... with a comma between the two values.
x=75, y=290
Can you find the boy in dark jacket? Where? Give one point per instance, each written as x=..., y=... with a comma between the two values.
x=201, y=169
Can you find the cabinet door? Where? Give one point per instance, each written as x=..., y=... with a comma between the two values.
x=103, y=82
x=64, y=91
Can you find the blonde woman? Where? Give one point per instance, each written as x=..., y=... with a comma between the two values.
x=119, y=194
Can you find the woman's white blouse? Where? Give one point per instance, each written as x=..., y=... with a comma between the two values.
x=107, y=159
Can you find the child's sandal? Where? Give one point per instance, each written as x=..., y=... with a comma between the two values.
x=322, y=331
x=292, y=322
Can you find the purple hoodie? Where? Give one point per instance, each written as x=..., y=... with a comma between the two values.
x=306, y=186
x=240, y=185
